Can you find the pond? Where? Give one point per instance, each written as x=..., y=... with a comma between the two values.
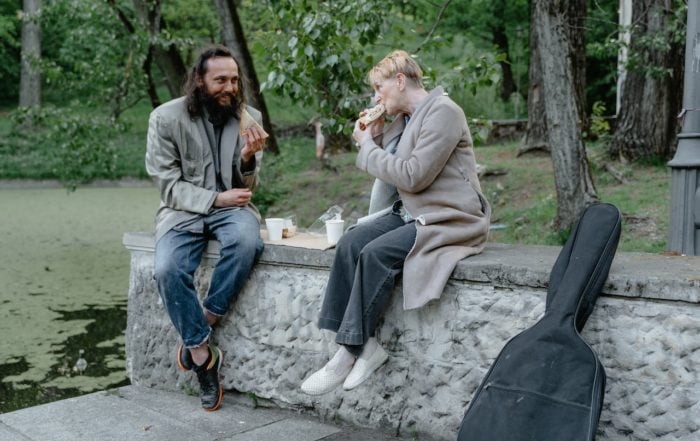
x=64, y=278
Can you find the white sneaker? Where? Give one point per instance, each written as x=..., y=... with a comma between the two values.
x=324, y=380
x=364, y=367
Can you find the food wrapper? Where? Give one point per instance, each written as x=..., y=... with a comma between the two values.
x=248, y=121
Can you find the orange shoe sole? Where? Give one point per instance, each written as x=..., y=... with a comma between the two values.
x=179, y=362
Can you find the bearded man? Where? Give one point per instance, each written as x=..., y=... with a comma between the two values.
x=206, y=171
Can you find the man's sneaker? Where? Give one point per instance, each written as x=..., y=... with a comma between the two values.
x=210, y=391
x=184, y=358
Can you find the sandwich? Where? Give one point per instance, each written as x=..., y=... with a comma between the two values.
x=371, y=115
x=248, y=121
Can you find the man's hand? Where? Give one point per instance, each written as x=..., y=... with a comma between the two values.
x=235, y=197
x=254, y=142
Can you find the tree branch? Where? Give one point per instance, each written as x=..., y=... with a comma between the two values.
x=435, y=25
x=122, y=17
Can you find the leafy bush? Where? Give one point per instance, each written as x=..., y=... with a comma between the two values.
x=79, y=147
x=599, y=125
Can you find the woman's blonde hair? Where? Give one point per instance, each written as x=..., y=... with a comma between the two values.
x=394, y=63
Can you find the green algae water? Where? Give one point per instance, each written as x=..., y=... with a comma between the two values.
x=64, y=277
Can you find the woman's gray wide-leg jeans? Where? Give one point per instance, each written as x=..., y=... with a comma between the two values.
x=368, y=260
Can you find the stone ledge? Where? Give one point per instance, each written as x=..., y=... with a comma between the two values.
x=644, y=329
x=640, y=275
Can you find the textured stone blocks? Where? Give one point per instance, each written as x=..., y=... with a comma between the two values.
x=646, y=334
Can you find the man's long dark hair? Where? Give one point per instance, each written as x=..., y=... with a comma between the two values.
x=196, y=94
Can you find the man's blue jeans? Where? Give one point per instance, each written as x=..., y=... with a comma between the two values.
x=177, y=256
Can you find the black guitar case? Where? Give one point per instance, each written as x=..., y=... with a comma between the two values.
x=547, y=384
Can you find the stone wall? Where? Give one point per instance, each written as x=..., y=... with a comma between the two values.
x=645, y=329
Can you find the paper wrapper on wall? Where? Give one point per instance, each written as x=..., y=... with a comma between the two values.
x=248, y=121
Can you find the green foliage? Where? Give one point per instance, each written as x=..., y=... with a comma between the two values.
x=646, y=47
x=296, y=156
x=455, y=53
x=480, y=20
x=91, y=67
x=193, y=19
x=78, y=147
x=40, y=153
x=189, y=25
x=602, y=47
x=657, y=161
x=322, y=57
x=469, y=75
x=318, y=56
x=9, y=50
x=92, y=59
x=599, y=126
x=313, y=53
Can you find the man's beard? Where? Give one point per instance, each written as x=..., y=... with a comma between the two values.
x=219, y=113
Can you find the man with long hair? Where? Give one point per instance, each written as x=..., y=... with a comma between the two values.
x=206, y=169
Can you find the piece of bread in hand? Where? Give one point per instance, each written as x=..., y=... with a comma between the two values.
x=248, y=121
x=371, y=115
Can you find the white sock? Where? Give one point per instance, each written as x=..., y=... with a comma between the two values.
x=342, y=361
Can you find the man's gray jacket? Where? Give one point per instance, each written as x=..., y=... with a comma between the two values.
x=180, y=160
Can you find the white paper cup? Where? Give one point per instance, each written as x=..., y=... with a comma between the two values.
x=274, y=227
x=334, y=229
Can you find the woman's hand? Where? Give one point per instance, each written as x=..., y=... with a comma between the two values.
x=370, y=131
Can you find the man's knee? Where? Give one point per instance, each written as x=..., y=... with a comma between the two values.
x=166, y=267
x=245, y=246
x=176, y=256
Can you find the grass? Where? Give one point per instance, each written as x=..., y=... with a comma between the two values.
x=524, y=199
x=294, y=182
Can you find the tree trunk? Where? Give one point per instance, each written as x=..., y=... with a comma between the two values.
x=575, y=34
x=646, y=125
x=625, y=22
x=150, y=84
x=170, y=63
x=234, y=38
x=30, y=80
x=536, y=133
x=500, y=39
x=168, y=60
x=572, y=178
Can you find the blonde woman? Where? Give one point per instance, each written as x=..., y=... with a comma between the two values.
x=439, y=218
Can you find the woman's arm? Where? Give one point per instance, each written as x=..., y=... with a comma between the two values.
x=439, y=134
